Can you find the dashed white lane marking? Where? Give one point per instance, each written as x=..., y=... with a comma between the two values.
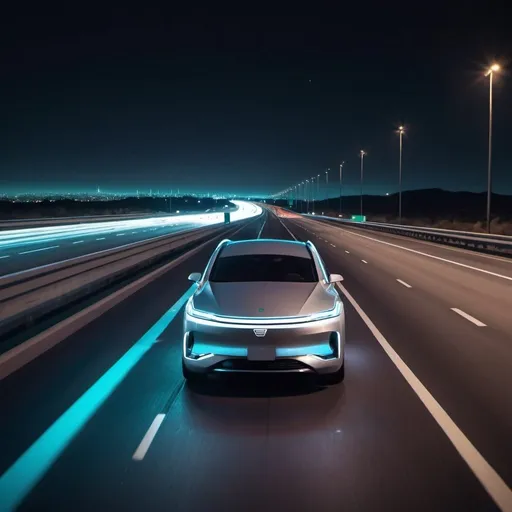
x=38, y=250
x=333, y=245
x=2, y=257
x=348, y=252
x=262, y=226
x=404, y=283
x=364, y=261
x=486, y=474
x=144, y=445
x=102, y=238
x=121, y=234
x=472, y=319
x=78, y=242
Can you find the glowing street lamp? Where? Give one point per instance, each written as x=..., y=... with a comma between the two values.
x=495, y=68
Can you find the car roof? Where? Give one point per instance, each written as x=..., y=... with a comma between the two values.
x=266, y=246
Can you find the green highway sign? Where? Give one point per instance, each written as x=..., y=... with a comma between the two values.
x=359, y=218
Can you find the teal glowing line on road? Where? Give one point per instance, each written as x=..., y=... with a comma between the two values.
x=27, y=471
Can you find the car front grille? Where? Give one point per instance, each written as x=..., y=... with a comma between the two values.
x=241, y=365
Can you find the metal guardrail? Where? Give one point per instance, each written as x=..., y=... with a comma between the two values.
x=29, y=295
x=480, y=242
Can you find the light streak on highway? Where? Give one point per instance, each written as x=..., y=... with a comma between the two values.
x=22, y=237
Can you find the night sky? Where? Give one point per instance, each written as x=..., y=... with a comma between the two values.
x=129, y=99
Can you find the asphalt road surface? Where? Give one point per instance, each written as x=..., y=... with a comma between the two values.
x=18, y=257
x=103, y=421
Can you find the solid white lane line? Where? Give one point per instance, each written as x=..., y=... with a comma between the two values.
x=144, y=445
x=348, y=252
x=404, y=283
x=79, y=242
x=468, y=317
x=364, y=261
x=102, y=238
x=431, y=256
x=488, y=477
x=38, y=250
x=262, y=226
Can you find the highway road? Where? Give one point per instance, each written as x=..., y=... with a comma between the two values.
x=422, y=422
x=34, y=247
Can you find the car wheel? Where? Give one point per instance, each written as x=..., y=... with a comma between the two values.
x=330, y=379
x=191, y=377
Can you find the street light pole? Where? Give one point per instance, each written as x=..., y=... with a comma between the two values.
x=327, y=187
x=307, y=196
x=401, y=132
x=313, y=193
x=341, y=176
x=318, y=187
x=362, y=153
x=490, y=73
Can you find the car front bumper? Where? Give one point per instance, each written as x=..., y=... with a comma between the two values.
x=305, y=347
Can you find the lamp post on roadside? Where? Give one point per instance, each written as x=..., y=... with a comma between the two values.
x=318, y=187
x=312, y=193
x=341, y=177
x=362, y=154
x=327, y=187
x=307, y=196
x=401, y=131
x=490, y=73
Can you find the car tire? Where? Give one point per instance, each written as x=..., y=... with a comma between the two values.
x=330, y=379
x=191, y=377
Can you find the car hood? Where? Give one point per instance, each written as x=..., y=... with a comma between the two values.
x=263, y=299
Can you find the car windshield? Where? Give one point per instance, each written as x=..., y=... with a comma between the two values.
x=263, y=267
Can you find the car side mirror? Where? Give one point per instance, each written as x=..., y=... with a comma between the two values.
x=335, y=278
x=195, y=276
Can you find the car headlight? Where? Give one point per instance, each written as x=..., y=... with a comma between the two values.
x=329, y=313
x=197, y=313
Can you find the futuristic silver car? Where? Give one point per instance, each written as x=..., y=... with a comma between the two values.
x=265, y=306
